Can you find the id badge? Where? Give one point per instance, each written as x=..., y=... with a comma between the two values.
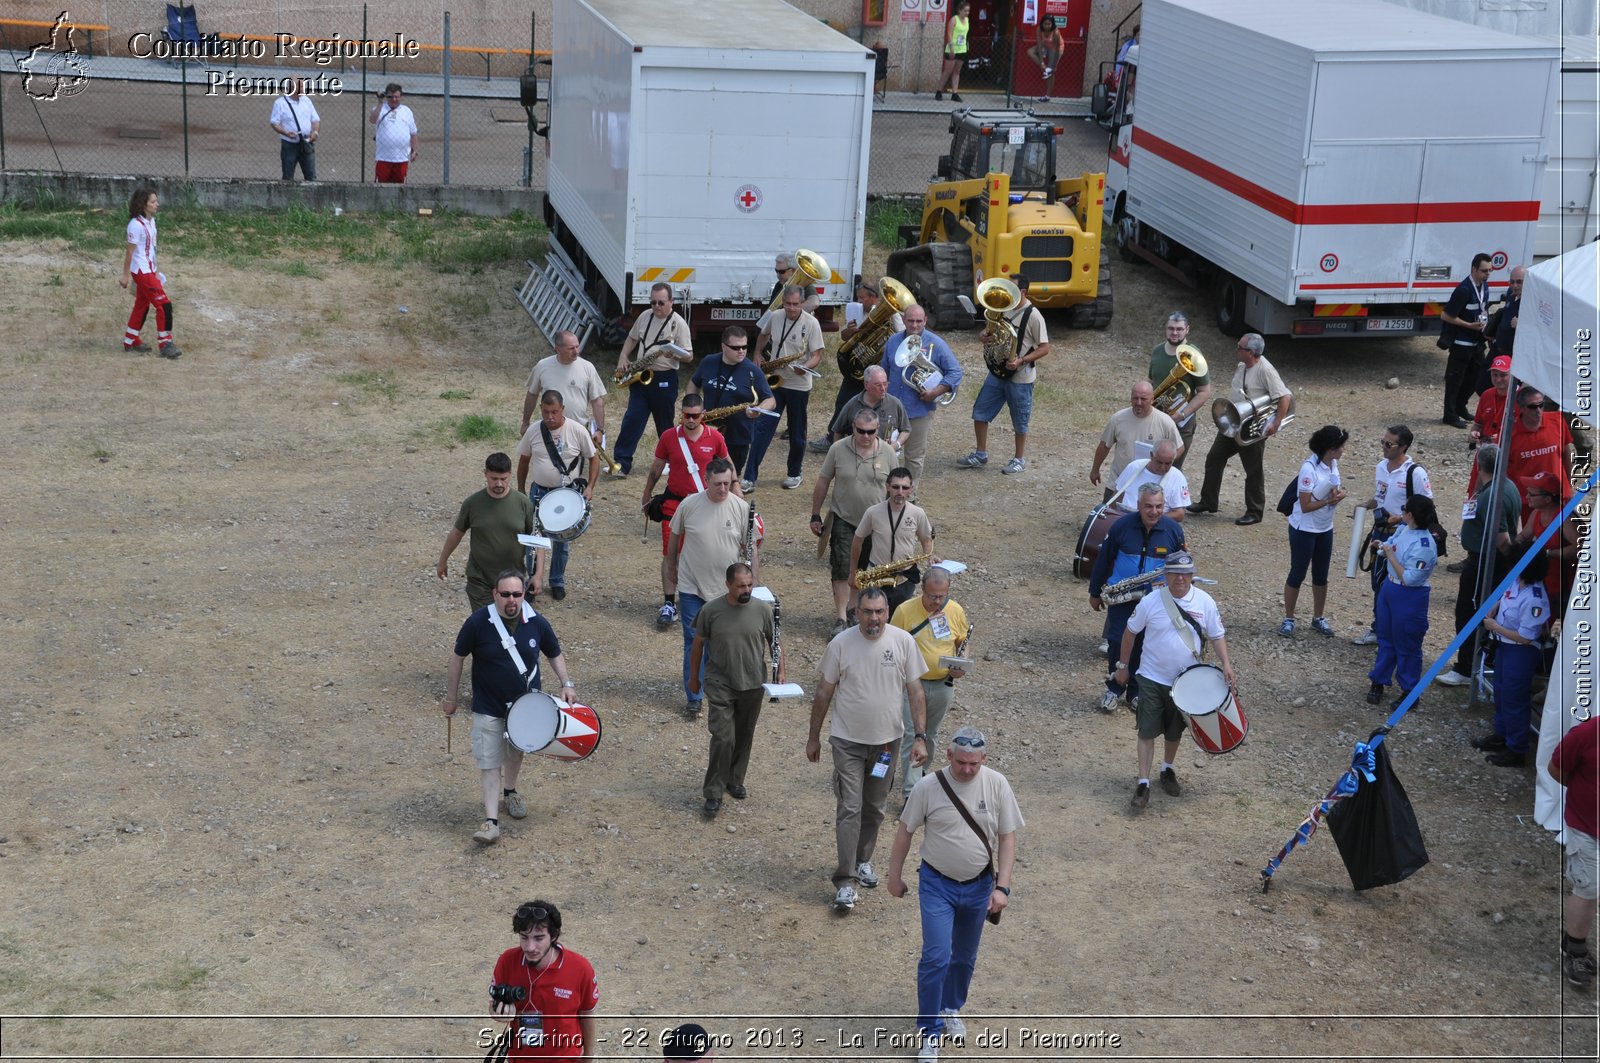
x=1469, y=509
x=880, y=770
x=940, y=627
x=530, y=1032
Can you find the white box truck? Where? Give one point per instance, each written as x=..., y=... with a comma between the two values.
x=1327, y=168
x=691, y=141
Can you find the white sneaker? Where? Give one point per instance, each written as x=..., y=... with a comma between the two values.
x=487, y=834
x=866, y=876
x=929, y=1053
x=747, y=486
x=791, y=482
x=954, y=1028
x=1453, y=678
x=846, y=898
x=1104, y=646
x=1368, y=637
x=1108, y=701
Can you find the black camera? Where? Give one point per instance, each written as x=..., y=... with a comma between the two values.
x=507, y=994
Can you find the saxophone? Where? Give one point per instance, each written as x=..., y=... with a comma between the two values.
x=1131, y=589
x=998, y=295
x=723, y=412
x=884, y=575
x=772, y=365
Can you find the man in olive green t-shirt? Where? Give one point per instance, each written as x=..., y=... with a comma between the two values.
x=495, y=516
x=733, y=637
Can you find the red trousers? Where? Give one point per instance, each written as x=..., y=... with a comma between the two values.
x=147, y=293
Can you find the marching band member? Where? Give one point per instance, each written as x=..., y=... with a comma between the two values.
x=732, y=636
x=1015, y=391
x=710, y=531
x=920, y=406
x=898, y=528
x=650, y=336
x=495, y=517
x=1163, y=360
x=1161, y=467
x=684, y=452
x=1136, y=545
x=941, y=629
x=1254, y=378
x=861, y=465
x=554, y=447
x=1174, y=621
x=729, y=378
x=855, y=315
x=874, y=395
x=793, y=333
x=1138, y=422
x=574, y=377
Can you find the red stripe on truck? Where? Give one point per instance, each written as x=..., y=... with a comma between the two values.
x=1334, y=213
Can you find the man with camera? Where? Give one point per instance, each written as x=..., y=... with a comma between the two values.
x=544, y=992
x=296, y=121
x=394, y=136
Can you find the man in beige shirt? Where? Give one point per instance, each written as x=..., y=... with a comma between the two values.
x=792, y=333
x=657, y=336
x=710, y=531
x=1254, y=379
x=582, y=389
x=865, y=669
x=963, y=879
x=857, y=469
x=572, y=444
x=1138, y=422
x=898, y=529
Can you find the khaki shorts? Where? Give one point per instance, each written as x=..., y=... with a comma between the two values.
x=840, y=537
x=1583, y=864
x=489, y=746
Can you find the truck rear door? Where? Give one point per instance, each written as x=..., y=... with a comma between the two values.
x=1357, y=220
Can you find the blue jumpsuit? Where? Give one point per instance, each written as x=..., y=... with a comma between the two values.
x=1403, y=610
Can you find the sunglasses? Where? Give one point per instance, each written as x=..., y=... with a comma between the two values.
x=740, y=347
x=687, y=416
x=866, y=431
x=509, y=594
x=659, y=302
x=968, y=743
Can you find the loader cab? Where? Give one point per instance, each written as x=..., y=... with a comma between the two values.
x=1008, y=142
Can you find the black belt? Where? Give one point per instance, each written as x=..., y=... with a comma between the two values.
x=985, y=873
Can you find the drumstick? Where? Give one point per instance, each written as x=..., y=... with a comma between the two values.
x=644, y=540
x=449, y=730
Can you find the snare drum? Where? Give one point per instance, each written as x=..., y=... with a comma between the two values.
x=564, y=514
x=1092, y=538
x=1216, y=719
x=538, y=723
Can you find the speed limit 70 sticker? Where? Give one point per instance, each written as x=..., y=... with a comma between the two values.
x=1329, y=262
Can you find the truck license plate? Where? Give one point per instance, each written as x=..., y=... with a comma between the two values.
x=1391, y=324
x=734, y=313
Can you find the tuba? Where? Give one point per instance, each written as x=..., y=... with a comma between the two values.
x=1246, y=422
x=809, y=268
x=1175, y=392
x=997, y=295
x=918, y=370
x=864, y=348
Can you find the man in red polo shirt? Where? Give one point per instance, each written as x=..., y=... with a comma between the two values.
x=1576, y=765
x=683, y=452
x=553, y=1016
x=1539, y=442
x=1492, y=403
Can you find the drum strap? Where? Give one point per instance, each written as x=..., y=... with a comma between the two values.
x=1188, y=627
x=510, y=643
x=555, y=455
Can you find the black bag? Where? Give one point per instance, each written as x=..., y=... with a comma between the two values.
x=1447, y=335
x=655, y=509
x=1376, y=828
x=1290, y=496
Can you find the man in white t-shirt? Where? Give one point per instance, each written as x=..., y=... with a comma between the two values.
x=964, y=877
x=297, y=123
x=1168, y=649
x=864, y=671
x=582, y=389
x=572, y=445
x=1394, y=478
x=394, y=136
x=710, y=531
x=1159, y=468
x=1136, y=423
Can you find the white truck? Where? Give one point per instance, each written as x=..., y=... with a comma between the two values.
x=690, y=142
x=1327, y=168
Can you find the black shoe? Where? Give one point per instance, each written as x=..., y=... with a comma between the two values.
x=1465, y=415
x=1375, y=694
x=713, y=805
x=1169, y=782
x=1202, y=509
x=938, y=95
x=170, y=350
x=1248, y=518
x=956, y=97
x=738, y=793
x=1453, y=422
x=1490, y=743
x=1141, y=797
x=1455, y=566
x=558, y=592
x=1508, y=759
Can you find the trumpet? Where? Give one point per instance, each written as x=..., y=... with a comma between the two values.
x=918, y=370
x=998, y=295
x=884, y=575
x=1246, y=422
x=809, y=268
x=864, y=348
x=1175, y=392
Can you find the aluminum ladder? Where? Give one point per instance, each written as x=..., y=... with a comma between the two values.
x=553, y=296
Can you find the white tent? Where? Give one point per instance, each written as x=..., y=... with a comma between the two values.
x=1556, y=332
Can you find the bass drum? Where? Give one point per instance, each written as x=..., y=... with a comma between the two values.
x=1091, y=538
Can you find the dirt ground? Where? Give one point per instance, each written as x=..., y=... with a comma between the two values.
x=230, y=825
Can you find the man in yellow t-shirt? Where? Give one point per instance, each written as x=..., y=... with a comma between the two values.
x=941, y=629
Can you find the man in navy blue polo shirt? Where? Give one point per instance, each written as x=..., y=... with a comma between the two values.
x=728, y=378
x=1137, y=544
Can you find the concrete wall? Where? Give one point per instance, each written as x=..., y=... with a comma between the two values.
x=85, y=190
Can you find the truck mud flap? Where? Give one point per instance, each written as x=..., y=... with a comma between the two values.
x=553, y=296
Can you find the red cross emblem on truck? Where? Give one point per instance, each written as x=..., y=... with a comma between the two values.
x=747, y=198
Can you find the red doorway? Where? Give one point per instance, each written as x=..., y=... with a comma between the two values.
x=1071, y=19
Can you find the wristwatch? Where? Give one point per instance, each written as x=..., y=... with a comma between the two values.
x=1004, y=889
x=918, y=735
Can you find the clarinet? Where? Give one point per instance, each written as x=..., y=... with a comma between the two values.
x=776, y=623
x=961, y=651
x=750, y=538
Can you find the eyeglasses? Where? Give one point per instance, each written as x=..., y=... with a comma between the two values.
x=1533, y=405
x=739, y=347
x=660, y=302
x=509, y=594
x=779, y=270
x=1513, y=280
x=968, y=743
x=1385, y=444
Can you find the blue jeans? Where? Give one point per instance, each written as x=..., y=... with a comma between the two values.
x=1117, y=617
x=1402, y=621
x=952, y=926
x=1514, y=669
x=289, y=155
x=557, y=576
x=657, y=402
x=797, y=403
x=689, y=607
